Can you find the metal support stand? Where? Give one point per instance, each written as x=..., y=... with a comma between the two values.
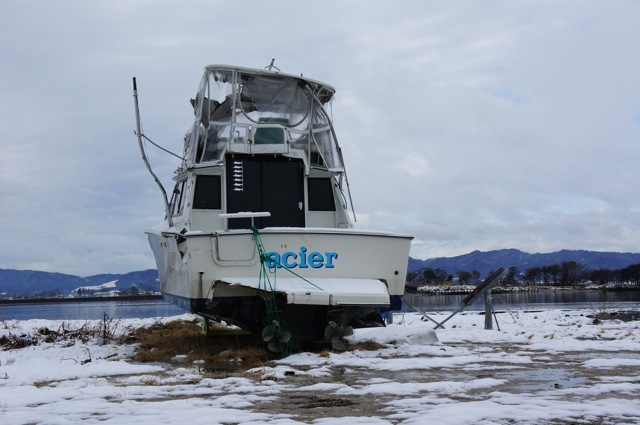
x=483, y=289
x=488, y=310
x=205, y=325
x=389, y=318
x=422, y=312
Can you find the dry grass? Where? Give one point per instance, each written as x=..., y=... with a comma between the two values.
x=325, y=353
x=162, y=342
x=366, y=346
x=64, y=333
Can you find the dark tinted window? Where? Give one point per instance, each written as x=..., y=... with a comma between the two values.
x=178, y=198
x=207, y=194
x=320, y=195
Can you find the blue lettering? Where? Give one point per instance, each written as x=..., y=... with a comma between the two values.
x=330, y=257
x=289, y=259
x=316, y=260
x=303, y=257
x=273, y=260
x=285, y=260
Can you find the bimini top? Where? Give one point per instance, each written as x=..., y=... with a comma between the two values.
x=322, y=88
x=259, y=111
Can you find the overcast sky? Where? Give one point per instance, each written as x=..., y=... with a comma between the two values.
x=471, y=125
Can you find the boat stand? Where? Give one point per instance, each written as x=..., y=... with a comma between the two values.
x=422, y=312
x=484, y=289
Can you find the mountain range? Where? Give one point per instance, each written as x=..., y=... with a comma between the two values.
x=488, y=261
x=38, y=283
x=30, y=282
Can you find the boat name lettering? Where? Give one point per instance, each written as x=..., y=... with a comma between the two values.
x=302, y=259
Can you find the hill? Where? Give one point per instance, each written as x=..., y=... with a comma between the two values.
x=491, y=260
x=34, y=283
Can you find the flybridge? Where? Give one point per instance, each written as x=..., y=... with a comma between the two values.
x=242, y=110
x=261, y=141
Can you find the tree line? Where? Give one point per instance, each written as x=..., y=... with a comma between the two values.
x=567, y=273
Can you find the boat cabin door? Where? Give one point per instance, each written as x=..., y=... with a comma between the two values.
x=265, y=183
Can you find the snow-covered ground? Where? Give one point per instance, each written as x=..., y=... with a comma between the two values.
x=548, y=367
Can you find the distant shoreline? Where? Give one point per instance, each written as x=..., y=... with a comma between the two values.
x=81, y=299
x=466, y=289
x=409, y=290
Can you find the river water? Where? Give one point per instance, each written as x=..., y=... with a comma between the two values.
x=541, y=299
x=589, y=300
x=89, y=310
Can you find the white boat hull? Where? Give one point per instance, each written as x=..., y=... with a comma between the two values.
x=219, y=274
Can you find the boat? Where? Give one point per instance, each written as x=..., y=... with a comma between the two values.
x=258, y=230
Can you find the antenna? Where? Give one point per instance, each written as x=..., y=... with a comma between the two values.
x=271, y=66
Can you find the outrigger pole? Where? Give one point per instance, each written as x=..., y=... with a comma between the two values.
x=138, y=133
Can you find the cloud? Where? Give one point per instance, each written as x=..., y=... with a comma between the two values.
x=468, y=125
x=415, y=165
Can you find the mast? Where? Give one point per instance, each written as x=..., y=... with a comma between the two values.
x=138, y=133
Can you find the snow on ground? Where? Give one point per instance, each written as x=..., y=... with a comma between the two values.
x=548, y=367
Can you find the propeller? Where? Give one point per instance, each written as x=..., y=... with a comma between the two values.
x=336, y=333
x=273, y=334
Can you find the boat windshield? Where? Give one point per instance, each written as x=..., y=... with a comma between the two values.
x=255, y=111
x=266, y=98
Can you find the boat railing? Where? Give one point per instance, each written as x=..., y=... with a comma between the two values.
x=315, y=146
x=251, y=215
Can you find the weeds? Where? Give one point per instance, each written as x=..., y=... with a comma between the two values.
x=12, y=342
x=65, y=333
x=108, y=328
x=161, y=342
x=366, y=346
x=514, y=315
x=86, y=360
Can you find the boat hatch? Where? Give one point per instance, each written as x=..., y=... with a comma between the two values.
x=274, y=184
